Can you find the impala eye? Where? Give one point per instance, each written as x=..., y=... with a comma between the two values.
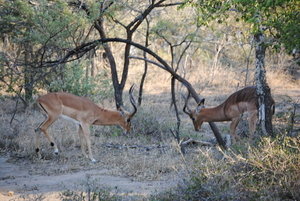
x=128, y=120
x=193, y=118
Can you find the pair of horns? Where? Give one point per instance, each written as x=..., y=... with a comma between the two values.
x=186, y=108
x=132, y=101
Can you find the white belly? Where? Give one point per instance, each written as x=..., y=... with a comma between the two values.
x=70, y=119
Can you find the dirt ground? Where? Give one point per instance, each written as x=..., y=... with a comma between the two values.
x=21, y=179
x=17, y=182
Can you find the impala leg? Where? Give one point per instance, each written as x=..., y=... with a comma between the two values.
x=37, y=138
x=43, y=127
x=233, y=126
x=86, y=133
x=252, y=124
x=37, y=142
x=82, y=141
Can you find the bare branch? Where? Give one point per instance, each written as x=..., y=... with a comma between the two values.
x=149, y=61
x=88, y=46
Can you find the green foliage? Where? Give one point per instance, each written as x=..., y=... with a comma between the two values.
x=280, y=19
x=38, y=32
x=14, y=15
x=73, y=79
x=60, y=26
x=209, y=10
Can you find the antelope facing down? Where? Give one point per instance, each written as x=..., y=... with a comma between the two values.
x=231, y=109
x=82, y=111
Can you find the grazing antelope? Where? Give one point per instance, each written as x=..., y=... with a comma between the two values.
x=231, y=109
x=82, y=111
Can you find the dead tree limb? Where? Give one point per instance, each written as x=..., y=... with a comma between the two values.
x=84, y=48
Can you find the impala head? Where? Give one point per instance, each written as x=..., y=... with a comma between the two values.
x=195, y=114
x=127, y=115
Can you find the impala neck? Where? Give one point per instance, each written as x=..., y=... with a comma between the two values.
x=213, y=114
x=107, y=117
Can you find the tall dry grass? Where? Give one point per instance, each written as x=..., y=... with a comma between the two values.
x=268, y=171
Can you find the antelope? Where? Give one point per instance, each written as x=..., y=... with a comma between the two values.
x=83, y=112
x=231, y=109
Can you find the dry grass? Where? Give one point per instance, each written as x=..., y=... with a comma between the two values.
x=150, y=152
x=268, y=171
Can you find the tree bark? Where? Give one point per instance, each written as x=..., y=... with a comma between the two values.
x=145, y=65
x=28, y=77
x=263, y=91
x=112, y=63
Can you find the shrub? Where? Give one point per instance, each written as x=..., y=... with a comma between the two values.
x=90, y=190
x=73, y=79
x=269, y=171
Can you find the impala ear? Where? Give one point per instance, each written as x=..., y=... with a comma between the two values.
x=199, y=106
x=201, y=102
x=122, y=112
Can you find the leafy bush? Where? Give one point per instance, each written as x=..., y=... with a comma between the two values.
x=73, y=79
x=289, y=117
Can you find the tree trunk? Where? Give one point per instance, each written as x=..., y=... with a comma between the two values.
x=28, y=78
x=263, y=91
x=113, y=66
x=145, y=65
x=162, y=64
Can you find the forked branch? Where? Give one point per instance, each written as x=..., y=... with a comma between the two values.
x=81, y=50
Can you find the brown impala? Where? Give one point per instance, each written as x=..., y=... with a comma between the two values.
x=82, y=111
x=231, y=109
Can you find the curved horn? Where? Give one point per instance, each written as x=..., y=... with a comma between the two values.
x=186, y=108
x=132, y=101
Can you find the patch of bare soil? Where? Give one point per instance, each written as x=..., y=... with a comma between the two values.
x=19, y=182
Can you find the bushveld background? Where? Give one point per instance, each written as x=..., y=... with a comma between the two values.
x=267, y=170
x=147, y=164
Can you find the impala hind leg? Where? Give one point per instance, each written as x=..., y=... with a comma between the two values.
x=86, y=134
x=43, y=127
x=37, y=142
x=233, y=126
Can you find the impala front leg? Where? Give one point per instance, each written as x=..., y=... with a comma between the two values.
x=82, y=141
x=86, y=134
x=233, y=126
x=252, y=124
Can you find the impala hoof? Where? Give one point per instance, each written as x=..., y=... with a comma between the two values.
x=56, y=151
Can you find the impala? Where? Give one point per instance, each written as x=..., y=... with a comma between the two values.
x=83, y=112
x=231, y=109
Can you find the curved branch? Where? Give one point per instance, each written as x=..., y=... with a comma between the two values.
x=88, y=46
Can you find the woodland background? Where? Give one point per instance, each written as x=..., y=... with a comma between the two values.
x=58, y=46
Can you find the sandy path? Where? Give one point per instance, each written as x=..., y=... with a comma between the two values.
x=14, y=178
